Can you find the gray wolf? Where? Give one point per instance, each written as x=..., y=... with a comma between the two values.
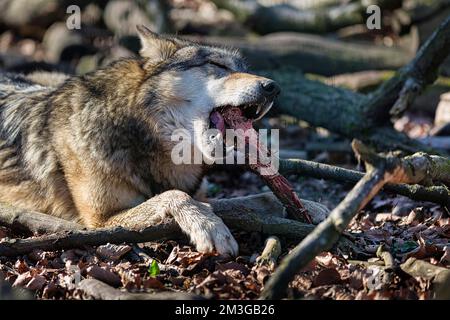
x=96, y=148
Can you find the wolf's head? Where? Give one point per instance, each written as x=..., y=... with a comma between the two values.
x=194, y=83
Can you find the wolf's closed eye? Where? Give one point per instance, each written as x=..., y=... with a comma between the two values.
x=219, y=65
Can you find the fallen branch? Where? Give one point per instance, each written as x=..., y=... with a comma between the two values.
x=298, y=53
x=78, y=238
x=265, y=213
x=32, y=221
x=380, y=170
x=437, y=194
x=93, y=288
x=423, y=168
x=438, y=142
x=361, y=81
x=261, y=213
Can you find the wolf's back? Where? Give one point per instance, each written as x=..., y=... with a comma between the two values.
x=25, y=144
x=18, y=107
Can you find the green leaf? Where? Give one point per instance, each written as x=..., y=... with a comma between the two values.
x=213, y=189
x=153, y=270
x=405, y=247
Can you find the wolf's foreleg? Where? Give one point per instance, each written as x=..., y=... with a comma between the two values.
x=206, y=230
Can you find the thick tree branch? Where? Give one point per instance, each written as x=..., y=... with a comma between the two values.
x=309, y=53
x=32, y=221
x=78, y=238
x=423, y=168
x=338, y=110
x=261, y=213
x=411, y=79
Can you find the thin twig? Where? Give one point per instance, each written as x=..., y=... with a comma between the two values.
x=387, y=257
x=270, y=254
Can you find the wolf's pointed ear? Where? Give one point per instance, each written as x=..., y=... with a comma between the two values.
x=153, y=46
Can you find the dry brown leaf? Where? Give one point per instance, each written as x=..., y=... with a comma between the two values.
x=262, y=274
x=376, y=235
x=445, y=259
x=112, y=252
x=104, y=275
x=188, y=261
x=21, y=266
x=22, y=279
x=424, y=250
x=36, y=282
x=37, y=255
x=131, y=278
x=355, y=279
x=233, y=266
x=4, y=232
x=50, y=290
x=327, y=277
x=152, y=283
x=415, y=216
x=327, y=259
x=383, y=217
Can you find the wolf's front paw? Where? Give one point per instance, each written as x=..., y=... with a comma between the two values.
x=216, y=236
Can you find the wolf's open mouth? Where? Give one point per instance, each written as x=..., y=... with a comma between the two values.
x=240, y=117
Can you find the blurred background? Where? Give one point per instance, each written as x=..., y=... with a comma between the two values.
x=324, y=40
x=325, y=37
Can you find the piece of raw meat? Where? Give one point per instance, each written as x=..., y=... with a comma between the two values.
x=233, y=117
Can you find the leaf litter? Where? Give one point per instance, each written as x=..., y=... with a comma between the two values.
x=407, y=229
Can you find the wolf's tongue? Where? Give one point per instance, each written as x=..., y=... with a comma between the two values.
x=279, y=185
x=218, y=121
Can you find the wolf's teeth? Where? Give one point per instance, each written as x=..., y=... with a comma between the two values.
x=265, y=110
x=258, y=110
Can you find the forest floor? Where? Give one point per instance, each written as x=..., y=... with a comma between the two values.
x=406, y=228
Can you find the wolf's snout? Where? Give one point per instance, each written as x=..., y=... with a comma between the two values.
x=270, y=88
